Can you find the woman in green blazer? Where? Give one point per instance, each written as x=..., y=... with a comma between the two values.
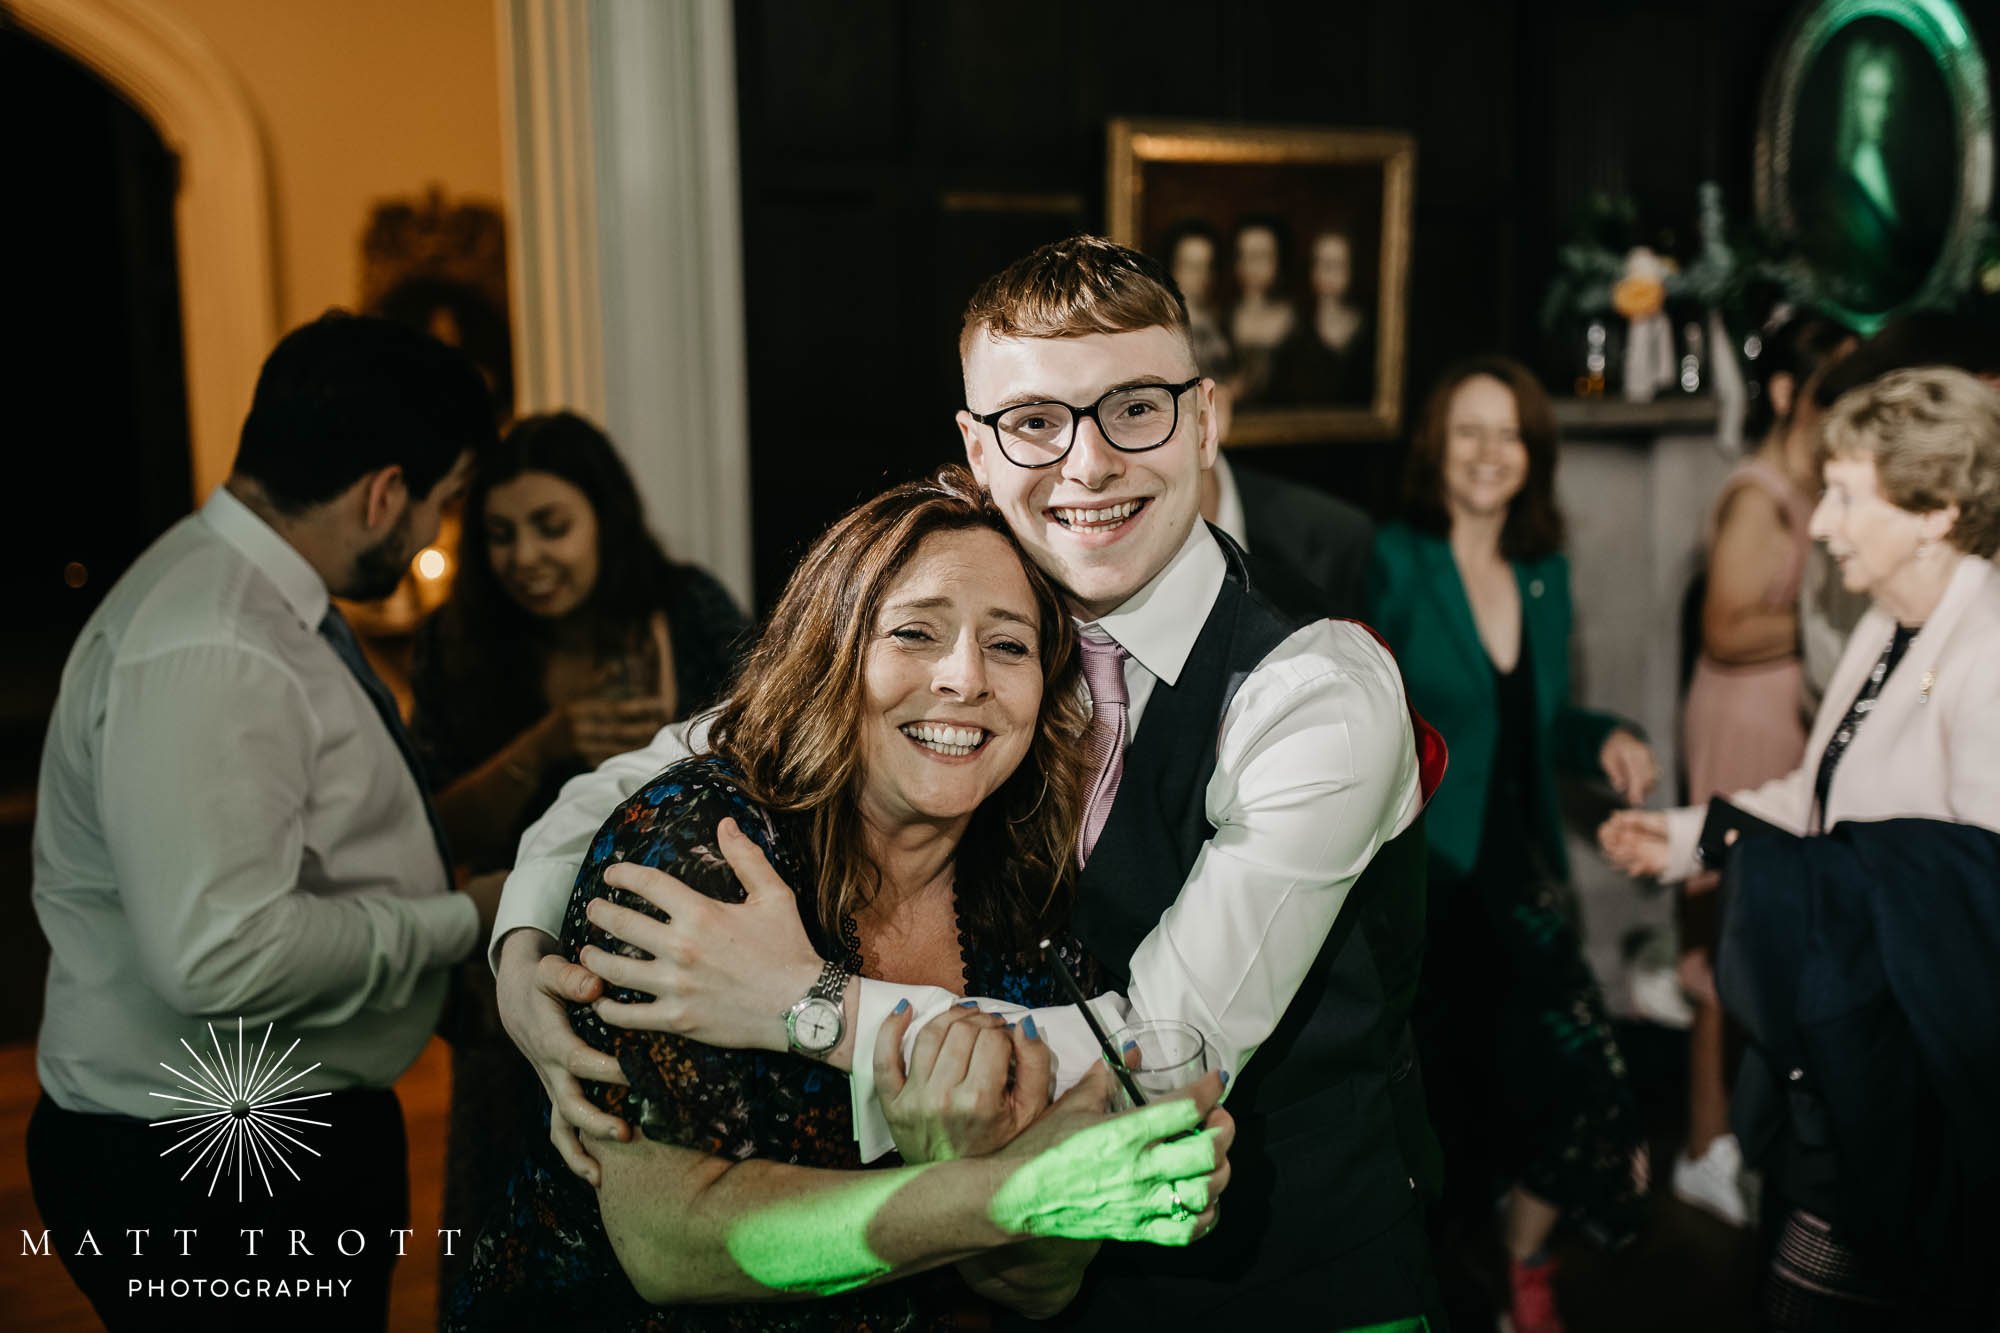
x=1472, y=592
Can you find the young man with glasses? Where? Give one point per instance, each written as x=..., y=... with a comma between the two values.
x=1251, y=857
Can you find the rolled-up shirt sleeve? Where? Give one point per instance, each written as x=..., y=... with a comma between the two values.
x=209, y=872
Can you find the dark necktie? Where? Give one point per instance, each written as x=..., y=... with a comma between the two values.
x=336, y=631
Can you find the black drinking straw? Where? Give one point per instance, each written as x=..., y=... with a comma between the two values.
x=1111, y=1057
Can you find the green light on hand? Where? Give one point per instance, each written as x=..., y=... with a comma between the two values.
x=1104, y=1183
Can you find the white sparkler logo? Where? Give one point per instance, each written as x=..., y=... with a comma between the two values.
x=239, y=1128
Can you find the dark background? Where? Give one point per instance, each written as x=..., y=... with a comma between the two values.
x=894, y=153
x=1919, y=150
x=97, y=414
x=897, y=151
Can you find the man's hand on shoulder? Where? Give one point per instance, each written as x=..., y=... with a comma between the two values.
x=719, y=973
x=532, y=983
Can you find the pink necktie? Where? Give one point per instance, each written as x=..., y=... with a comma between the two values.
x=1104, y=743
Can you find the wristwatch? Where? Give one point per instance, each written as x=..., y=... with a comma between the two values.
x=814, y=1025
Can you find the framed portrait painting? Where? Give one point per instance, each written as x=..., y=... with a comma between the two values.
x=1292, y=247
x=1875, y=154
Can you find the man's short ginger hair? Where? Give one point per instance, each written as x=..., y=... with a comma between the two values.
x=1073, y=287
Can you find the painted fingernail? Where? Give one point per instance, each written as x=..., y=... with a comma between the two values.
x=902, y=1006
x=1028, y=1026
x=1131, y=1046
x=968, y=1004
x=1008, y=1026
x=1225, y=1078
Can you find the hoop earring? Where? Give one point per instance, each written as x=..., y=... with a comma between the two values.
x=1039, y=798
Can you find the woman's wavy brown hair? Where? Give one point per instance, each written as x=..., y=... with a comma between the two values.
x=792, y=725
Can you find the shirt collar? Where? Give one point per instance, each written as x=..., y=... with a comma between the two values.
x=1159, y=624
x=1229, y=503
x=271, y=555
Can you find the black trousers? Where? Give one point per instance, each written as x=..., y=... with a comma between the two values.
x=323, y=1244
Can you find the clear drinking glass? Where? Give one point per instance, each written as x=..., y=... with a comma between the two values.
x=1164, y=1055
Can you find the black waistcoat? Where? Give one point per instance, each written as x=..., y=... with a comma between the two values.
x=1332, y=1140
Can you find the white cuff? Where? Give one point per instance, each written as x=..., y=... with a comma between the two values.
x=1072, y=1047
x=536, y=896
x=1683, y=833
x=873, y=1003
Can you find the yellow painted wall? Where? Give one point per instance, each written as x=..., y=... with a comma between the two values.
x=358, y=100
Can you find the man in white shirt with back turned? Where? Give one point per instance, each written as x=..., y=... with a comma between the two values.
x=1252, y=862
x=231, y=830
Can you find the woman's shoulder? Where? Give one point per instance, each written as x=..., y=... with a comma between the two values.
x=1397, y=543
x=1986, y=579
x=1407, y=554
x=1758, y=494
x=698, y=777
x=1982, y=614
x=1552, y=568
x=693, y=590
x=671, y=820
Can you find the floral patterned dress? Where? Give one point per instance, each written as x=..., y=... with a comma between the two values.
x=545, y=1261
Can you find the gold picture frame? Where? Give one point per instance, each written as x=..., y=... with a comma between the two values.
x=1313, y=336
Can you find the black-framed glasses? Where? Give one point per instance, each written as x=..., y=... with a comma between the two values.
x=1132, y=420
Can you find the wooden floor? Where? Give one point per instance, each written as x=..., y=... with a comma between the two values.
x=36, y=1295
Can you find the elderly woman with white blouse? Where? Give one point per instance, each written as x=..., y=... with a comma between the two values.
x=1911, y=721
x=1910, y=724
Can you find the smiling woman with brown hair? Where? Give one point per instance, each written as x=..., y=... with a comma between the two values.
x=806, y=724
x=903, y=744
x=569, y=636
x=1473, y=593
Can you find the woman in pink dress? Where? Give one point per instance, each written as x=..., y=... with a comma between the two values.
x=1744, y=721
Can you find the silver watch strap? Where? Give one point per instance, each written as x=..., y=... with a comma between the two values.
x=832, y=983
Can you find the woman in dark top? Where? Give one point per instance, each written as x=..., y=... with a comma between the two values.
x=915, y=697
x=568, y=637
x=1527, y=1086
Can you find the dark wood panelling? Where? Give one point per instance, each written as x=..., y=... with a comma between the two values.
x=895, y=151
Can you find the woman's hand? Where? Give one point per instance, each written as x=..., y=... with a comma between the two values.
x=1152, y=1174
x=1636, y=842
x=1629, y=765
x=975, y=1082
x=720, y=973
x=593, y=730
x=531, y=985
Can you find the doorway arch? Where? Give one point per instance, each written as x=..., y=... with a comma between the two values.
x=222, y=208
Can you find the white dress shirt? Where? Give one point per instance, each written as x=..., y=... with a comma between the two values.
x=1316, y=768
x=226, y=830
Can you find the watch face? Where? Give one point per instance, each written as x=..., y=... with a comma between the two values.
x=816, y=1025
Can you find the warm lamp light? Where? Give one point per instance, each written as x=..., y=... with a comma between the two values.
x=431, y=564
